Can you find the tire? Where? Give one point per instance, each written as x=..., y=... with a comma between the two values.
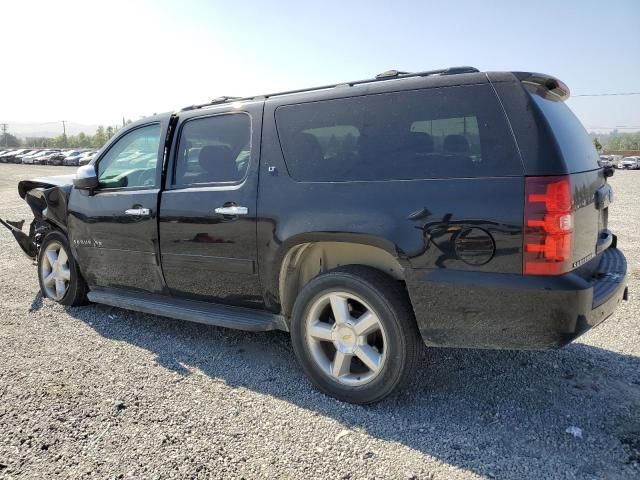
x=65, y=273
x=379, y=340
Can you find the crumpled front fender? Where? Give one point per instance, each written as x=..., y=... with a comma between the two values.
x=28, y=246
x=47, y=198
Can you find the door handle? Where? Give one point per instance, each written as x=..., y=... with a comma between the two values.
x=232, y=210
x=138, y=212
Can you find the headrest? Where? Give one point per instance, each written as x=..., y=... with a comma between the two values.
x=420, y=142
x=306, y=146
x=218, y=161
x=455, y=144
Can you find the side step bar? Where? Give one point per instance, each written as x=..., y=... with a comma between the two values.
x=190, y=310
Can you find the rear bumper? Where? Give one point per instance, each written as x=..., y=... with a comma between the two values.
x=512, y=311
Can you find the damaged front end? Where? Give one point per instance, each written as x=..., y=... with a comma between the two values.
x=27, y=242
x=47, y=198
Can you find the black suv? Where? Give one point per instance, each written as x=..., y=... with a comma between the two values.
x=454, y=208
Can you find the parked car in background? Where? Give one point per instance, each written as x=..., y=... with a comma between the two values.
x=54, y=158
x=86, y=158
x=10, y=156
x=605, y=161
x=28, y=159
x=42, y=160
x=3, y=156
x=70, y=153
x=29, y=155
x=72, y=159
x=630, y=163
x=615, y=161
x=18, y=158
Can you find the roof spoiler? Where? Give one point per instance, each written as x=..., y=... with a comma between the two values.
x=544, y=85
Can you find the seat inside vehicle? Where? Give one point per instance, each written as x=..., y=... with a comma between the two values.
x=218, y=164
x=306, y=148
x=456, y=144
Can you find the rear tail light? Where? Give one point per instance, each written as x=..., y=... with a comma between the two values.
x=548, y=226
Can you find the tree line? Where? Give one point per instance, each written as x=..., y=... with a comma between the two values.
x=81, y=140
x=617, y=141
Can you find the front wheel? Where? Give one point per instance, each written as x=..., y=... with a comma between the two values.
x=58, y=272
x=354, y=334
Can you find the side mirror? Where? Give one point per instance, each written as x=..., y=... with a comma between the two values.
x=86, y=178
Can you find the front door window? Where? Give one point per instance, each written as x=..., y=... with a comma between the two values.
x=132, y=161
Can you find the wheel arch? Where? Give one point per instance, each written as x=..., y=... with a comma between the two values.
x=308, y=257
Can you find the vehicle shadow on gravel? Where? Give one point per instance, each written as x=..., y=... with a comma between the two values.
x=496, y=413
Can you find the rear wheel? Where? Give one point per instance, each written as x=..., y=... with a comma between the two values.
x=354, y=333
x=58, y=273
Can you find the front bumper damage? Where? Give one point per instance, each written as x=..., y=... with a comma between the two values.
x=47, y=197
x=27, y=243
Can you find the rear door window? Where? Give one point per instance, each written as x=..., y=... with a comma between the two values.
x=214, y=149
x=453, y=132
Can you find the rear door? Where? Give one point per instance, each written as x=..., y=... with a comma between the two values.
x=208, y=210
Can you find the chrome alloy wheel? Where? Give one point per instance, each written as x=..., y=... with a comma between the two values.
x=346, y=338
x=54, y=271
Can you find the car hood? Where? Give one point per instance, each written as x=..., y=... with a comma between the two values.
x=44, y=182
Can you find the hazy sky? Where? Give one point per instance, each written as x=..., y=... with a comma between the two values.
x=93, y=62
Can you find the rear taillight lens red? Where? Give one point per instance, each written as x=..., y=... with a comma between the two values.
x=548, y=226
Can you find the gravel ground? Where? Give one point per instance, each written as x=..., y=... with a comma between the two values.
x=98, y=392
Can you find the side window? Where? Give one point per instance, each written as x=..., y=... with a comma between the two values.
x=132, y=161
x=451, y=132
x=213, y=149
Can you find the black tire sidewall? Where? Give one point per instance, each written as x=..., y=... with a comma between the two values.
x=396, y=347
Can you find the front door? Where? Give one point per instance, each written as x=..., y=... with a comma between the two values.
x=113, y=230
x=208, y=210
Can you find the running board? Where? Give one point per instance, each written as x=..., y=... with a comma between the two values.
x=190, y=310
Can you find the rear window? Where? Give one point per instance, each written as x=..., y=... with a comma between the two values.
x=574, y=142
x=453, y=132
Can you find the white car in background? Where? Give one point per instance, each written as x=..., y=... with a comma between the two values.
x=33, y=158
x=630, y=163
x=605, y=161
x=615, y=161
x=30, y=155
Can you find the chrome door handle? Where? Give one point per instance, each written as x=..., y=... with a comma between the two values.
x=138, y=212
x=232, y=210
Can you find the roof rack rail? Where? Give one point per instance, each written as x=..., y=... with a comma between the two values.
x=215, y=101
x=388, y=75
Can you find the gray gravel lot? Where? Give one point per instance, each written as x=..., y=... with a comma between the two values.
x=98, y=392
